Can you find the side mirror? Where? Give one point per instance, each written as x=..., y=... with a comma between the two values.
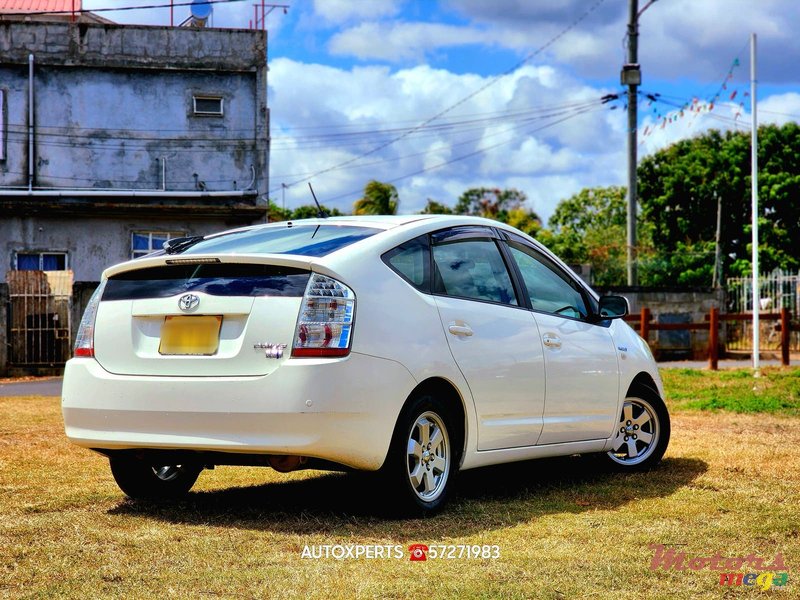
x=613, y=307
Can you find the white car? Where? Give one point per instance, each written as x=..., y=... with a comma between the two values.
x=415, y=346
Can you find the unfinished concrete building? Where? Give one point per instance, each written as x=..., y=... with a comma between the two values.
x=114, y=138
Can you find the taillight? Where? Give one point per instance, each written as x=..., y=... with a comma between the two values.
x=325, y=324
x=84, y=341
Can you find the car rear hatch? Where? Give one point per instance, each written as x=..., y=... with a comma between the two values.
x=200, y=316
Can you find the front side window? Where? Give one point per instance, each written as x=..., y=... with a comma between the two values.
x=549, y=289
x=145, y=242
x=41, y=261
x=472, y=268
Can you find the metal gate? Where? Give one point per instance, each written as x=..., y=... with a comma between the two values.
x=777, y=290
x=39, y=308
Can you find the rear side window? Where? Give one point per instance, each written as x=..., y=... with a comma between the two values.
x=474, y=269
x=224, y=279
x=307, y=240
x=411, y=261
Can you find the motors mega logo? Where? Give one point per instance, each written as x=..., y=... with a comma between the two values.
x=732, y=570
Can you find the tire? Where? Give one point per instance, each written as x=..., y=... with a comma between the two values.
x=642, y=433
x=142, y=481
x=423, y=459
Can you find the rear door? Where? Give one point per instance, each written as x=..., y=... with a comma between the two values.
x=198, y=318
x=493, y=339
x=579, y=354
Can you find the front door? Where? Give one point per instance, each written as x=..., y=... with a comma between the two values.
x=579, y=354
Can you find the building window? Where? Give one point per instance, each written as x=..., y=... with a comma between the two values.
x=208, y=106
x=41, y=261
x=145, y=242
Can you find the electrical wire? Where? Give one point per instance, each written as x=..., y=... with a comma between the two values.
x=554, y=117
x=91, y=141
x=492, y=81
x=358, y=192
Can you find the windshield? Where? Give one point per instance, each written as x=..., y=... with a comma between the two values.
x=307, y=240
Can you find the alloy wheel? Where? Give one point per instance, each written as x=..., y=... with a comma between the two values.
x=637, y=433
x=429, y=456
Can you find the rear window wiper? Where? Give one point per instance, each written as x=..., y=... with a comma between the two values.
x=176, y=245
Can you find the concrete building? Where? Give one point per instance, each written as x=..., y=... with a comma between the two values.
x=113, y=138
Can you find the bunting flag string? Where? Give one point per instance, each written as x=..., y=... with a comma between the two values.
x=696, y=106
x=726, y=94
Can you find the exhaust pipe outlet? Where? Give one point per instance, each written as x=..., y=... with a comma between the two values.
x=286, y=464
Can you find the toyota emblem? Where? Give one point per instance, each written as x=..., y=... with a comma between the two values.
x=187, y=302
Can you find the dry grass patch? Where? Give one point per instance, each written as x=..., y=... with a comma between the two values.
x=729, y=484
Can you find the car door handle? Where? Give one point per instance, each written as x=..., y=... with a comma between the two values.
x=462, y=330
x=551, y=341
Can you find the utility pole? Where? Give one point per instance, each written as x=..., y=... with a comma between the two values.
x=632, y=77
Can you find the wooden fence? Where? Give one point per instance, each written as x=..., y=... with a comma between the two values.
x=712, y=323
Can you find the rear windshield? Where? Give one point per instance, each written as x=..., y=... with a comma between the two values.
x=225, y=279
x=307, y=240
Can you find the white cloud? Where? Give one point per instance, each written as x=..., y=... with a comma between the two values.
x=499, y=131
x=780, y=109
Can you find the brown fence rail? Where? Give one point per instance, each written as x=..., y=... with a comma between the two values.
x=784, y=326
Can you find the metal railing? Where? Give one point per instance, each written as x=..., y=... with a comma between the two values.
x=39, y=327
x=777, y=290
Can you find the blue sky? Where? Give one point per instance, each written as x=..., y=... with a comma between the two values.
x=353, y=85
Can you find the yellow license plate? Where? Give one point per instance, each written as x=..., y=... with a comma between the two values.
x=196, y=335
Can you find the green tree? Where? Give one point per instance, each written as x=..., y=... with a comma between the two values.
x=505, y=205
x=276, y=213
x=310, y=211
x=589, y=227
x=436, y=208
x=379, y=199
x=678, y=191
x=492, y=203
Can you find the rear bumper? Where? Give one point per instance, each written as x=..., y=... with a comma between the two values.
x=341, y=410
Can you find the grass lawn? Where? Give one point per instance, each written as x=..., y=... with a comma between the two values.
x=776, y=392
x=729, y=484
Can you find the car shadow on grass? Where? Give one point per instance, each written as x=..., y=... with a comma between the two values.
x=484, y=499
